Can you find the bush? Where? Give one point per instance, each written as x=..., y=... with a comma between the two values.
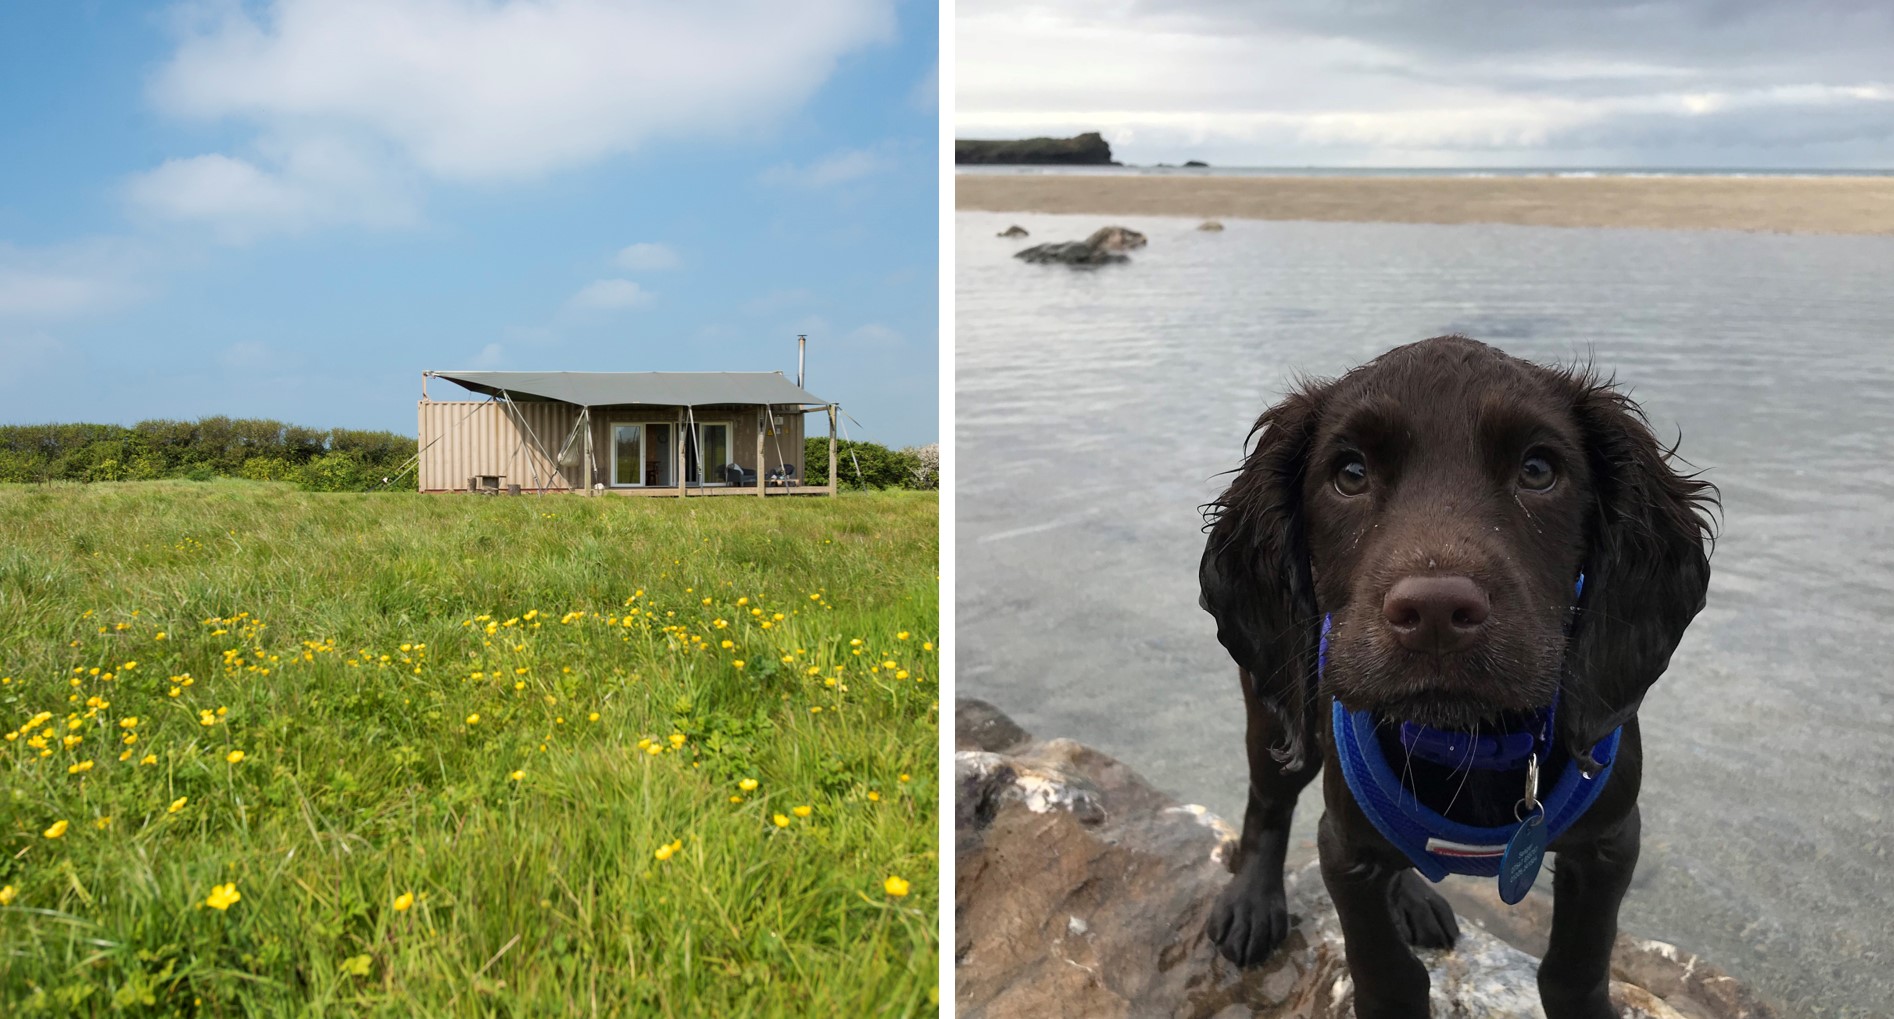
x=200, y=450
x=335, y=472
x=266, y=468
x=927, y=465
x=866, y=465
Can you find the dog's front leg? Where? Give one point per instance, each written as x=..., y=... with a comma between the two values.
x=1389, y=982
x=1251, y=916
x=1588, y=883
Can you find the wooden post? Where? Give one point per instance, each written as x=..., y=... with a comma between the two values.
x=678, y=437
x=831, y=449
x=762, y=480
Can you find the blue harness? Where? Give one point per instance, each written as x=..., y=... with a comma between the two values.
x=1439, y=846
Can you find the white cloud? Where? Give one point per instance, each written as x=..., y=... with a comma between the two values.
x=26, y=294
x=646, y=256
x=507, y=89
x=70, y=281
x=301, y=184
x=838, y=168
x=490, y=356
x=609, y=295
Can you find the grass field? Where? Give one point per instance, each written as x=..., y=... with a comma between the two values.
x=272, y=752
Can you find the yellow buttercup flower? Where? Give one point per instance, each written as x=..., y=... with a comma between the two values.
x=895, y=886
x=748, y=785
x=148, y=759
x=222, y=897
x=403, y=901
x=178, y=804
x=473, y=719
x=781, y=821
x=234, y=757
x=677, y=740
x=664, y=851
x=516, y=776
x=804, y=811
x=58, y=829
x=7, y=894
x=874, y=797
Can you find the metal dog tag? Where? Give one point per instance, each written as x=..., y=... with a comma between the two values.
x=1525, y=851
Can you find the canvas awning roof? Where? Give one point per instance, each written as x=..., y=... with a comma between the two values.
x=668, y=389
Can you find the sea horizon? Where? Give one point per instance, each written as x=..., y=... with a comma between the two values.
x=1576, y=172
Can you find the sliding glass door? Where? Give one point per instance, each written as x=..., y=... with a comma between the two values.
x=642, y=455
x=628, y=462
x=709, y=450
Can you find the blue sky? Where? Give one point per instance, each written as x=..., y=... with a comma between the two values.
x=291, y=209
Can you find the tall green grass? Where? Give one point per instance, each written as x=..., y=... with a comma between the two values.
x=587, y=845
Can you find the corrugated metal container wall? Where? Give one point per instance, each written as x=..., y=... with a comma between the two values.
x=460, y=439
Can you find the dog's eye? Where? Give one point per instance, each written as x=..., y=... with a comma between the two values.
x=1352, y=477
x=1536, y=474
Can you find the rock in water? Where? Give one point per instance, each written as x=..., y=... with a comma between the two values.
x=1196, y=164
x=1106, y=245
x=1115, y=238
x=1210, y=226
x=1013, y=231
x=1081, y=891
x=1071, y=253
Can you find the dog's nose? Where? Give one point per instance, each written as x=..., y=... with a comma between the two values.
x=1438, y=615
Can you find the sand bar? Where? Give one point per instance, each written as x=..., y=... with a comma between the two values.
x=1829, y=205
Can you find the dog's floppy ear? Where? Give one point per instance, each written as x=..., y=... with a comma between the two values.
x=1646, y=572
x=1255, y=578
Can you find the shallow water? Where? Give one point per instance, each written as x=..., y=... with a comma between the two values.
x=1095, y=410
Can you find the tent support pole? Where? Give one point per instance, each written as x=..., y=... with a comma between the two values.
x=591, y=467
x=831, y=449
x=677, y=458
x=762, y=479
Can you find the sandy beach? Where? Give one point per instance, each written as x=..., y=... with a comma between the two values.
x=1831, y=205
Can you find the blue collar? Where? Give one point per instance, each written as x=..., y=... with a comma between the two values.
x=1435, y=844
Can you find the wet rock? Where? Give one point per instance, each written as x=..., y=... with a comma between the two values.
x=1013, y=231
x=1116, y=238
x=1210, y=226
x=1070, y=253
x=1082, y=891
x=1198, y=163
x=1105, y=246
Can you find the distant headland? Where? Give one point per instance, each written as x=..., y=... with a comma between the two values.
x=1088, y=149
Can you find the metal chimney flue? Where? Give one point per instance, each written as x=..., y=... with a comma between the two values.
x=802, y=348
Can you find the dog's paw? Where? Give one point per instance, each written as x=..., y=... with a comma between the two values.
x=1420, y=914
x=1249, y=920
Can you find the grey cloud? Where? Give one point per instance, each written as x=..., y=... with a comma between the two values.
x=1448, y=82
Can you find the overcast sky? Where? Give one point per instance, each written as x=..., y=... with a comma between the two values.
x=1666, y=83
x=290, y=208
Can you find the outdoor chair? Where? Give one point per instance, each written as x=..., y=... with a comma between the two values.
x=735, y=475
